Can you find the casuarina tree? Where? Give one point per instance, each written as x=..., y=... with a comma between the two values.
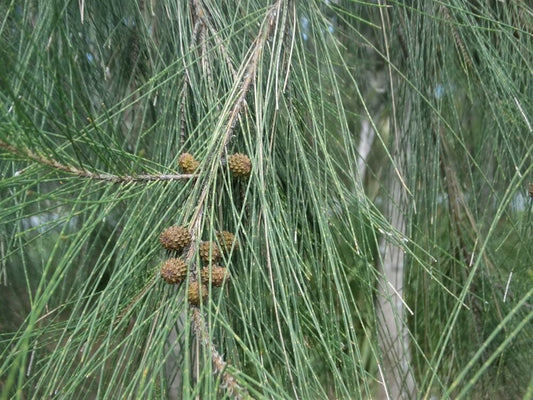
x=266, y=199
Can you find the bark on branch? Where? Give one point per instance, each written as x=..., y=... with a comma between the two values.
x=82, y=173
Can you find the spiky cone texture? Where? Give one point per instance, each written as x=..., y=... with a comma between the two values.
x=226, y=240
x=218, y=275
x=174, y=270
x=531, y=190
x=240, y=165
x=196, y=292
x=175, y=238
x=188, y=163
x=209, y=252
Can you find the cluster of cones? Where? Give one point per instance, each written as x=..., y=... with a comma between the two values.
x=175, y=270
x=177, y=238
x=239, y=164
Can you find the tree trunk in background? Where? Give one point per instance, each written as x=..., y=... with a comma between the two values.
x=366, y=139
x=393, y=332
x=392, y=322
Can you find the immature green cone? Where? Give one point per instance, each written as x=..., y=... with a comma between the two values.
x=227, y=240
x=175, y=238
x=196, y=292
x=209, y=251
x=187, y=163
x=240, y=165
x=174, y=270
x=218, y=275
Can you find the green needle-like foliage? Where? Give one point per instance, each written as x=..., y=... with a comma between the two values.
x=384, y=233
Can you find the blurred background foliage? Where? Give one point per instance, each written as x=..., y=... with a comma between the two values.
x=334, y=102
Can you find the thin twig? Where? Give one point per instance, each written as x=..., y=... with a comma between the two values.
x=26, y=153
x=249, y=68
x=134, y=300
x=457, y=39
x=203, y=19
x=219, y=365
x=201, y=14
x=186, y=81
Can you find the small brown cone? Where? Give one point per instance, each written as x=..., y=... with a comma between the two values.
x=531, y=190
x=187, y=163
x=175, y=238
x=227, y=240
x=196, y=292
x=240, y=165
x=209, y=251
x=218, y=275
x=174, y=270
